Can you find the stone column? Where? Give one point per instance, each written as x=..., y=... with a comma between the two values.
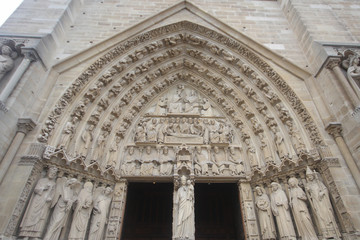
x=248, y=211
x=117, y=210
x=20, y=70
x=333, y=65
x=335, y=129
x=24, y=125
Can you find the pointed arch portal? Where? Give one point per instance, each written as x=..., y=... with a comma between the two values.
x=182, y=101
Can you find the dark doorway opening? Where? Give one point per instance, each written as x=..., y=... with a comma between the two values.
x=148, y=212
x=217, y=212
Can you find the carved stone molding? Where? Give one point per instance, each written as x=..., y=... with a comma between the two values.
x=193, y=41
x=334, y=129
x=25, y=125
x=34, y=154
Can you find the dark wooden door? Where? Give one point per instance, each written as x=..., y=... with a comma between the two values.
x=148, y=213
x=217, y=214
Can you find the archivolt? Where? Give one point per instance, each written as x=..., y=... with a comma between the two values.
x=114, y=90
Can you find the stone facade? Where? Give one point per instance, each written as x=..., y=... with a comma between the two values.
x=264, y=94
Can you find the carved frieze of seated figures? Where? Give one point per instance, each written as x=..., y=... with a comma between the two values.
x=236, y=165
x=149, y=162
x=131, y=161
x=218, y=158
x=167, y=159
x=201, y=161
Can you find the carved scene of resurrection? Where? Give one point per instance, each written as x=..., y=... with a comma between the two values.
x=181, y=104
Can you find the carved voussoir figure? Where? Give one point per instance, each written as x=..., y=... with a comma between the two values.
x=301, y=213
x=68, y=133
x=280, y=209
x=37, y=212
x=265, y=216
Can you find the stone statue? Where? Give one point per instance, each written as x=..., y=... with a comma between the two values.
x=112, y=154
x=82, y=213
x=161, y=106
x=318, y=196
x=68, y=133
x=99, y=148
x=129, y=164
x=353, y=72
x=166, y=160
x=86, y=140
x=218, y=159
x=265, y=149
x=235, y=157
x=201, y=159
x=295, y=136
x=148, y=159
x=140, y=134
x=266, y=221
x=280, y=144
x=280, y=209
x=177, y=102
x=65, y=195
x=251, y=153
x=191, y=103
x=100, y=214
x=37, y=212
x=206, y=108
x=184, y=204
x=151, y=130
x=8, y=53
x=301, y=213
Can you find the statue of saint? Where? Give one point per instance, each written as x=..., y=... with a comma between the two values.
x=86, y=140
x=100, y=214
x=184, y=203
x=353, y=72
x=161, y=106
x=68, y=133
x=301, y=213
x=280, y=144
x=280, y=209
x=320, y=203
x=237, y=166
x=82, y=213
x=37, y=212
x=206, y=108
x=129, y=164
x=201, y=159
x=266, y=221
x=65, y=195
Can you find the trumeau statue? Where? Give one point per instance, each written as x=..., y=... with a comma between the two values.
x=65, y=196
x=184, y=204
x=280, y=209
x=266, y=221
x=82, y=213
x=320, y=203
x=37, y=212
x=301, y=213
x=100, y=213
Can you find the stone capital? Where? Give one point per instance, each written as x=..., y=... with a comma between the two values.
x=334, y=129
x=331, y=63
x=25, y=125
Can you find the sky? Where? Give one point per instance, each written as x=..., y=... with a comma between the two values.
x=7, y=7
